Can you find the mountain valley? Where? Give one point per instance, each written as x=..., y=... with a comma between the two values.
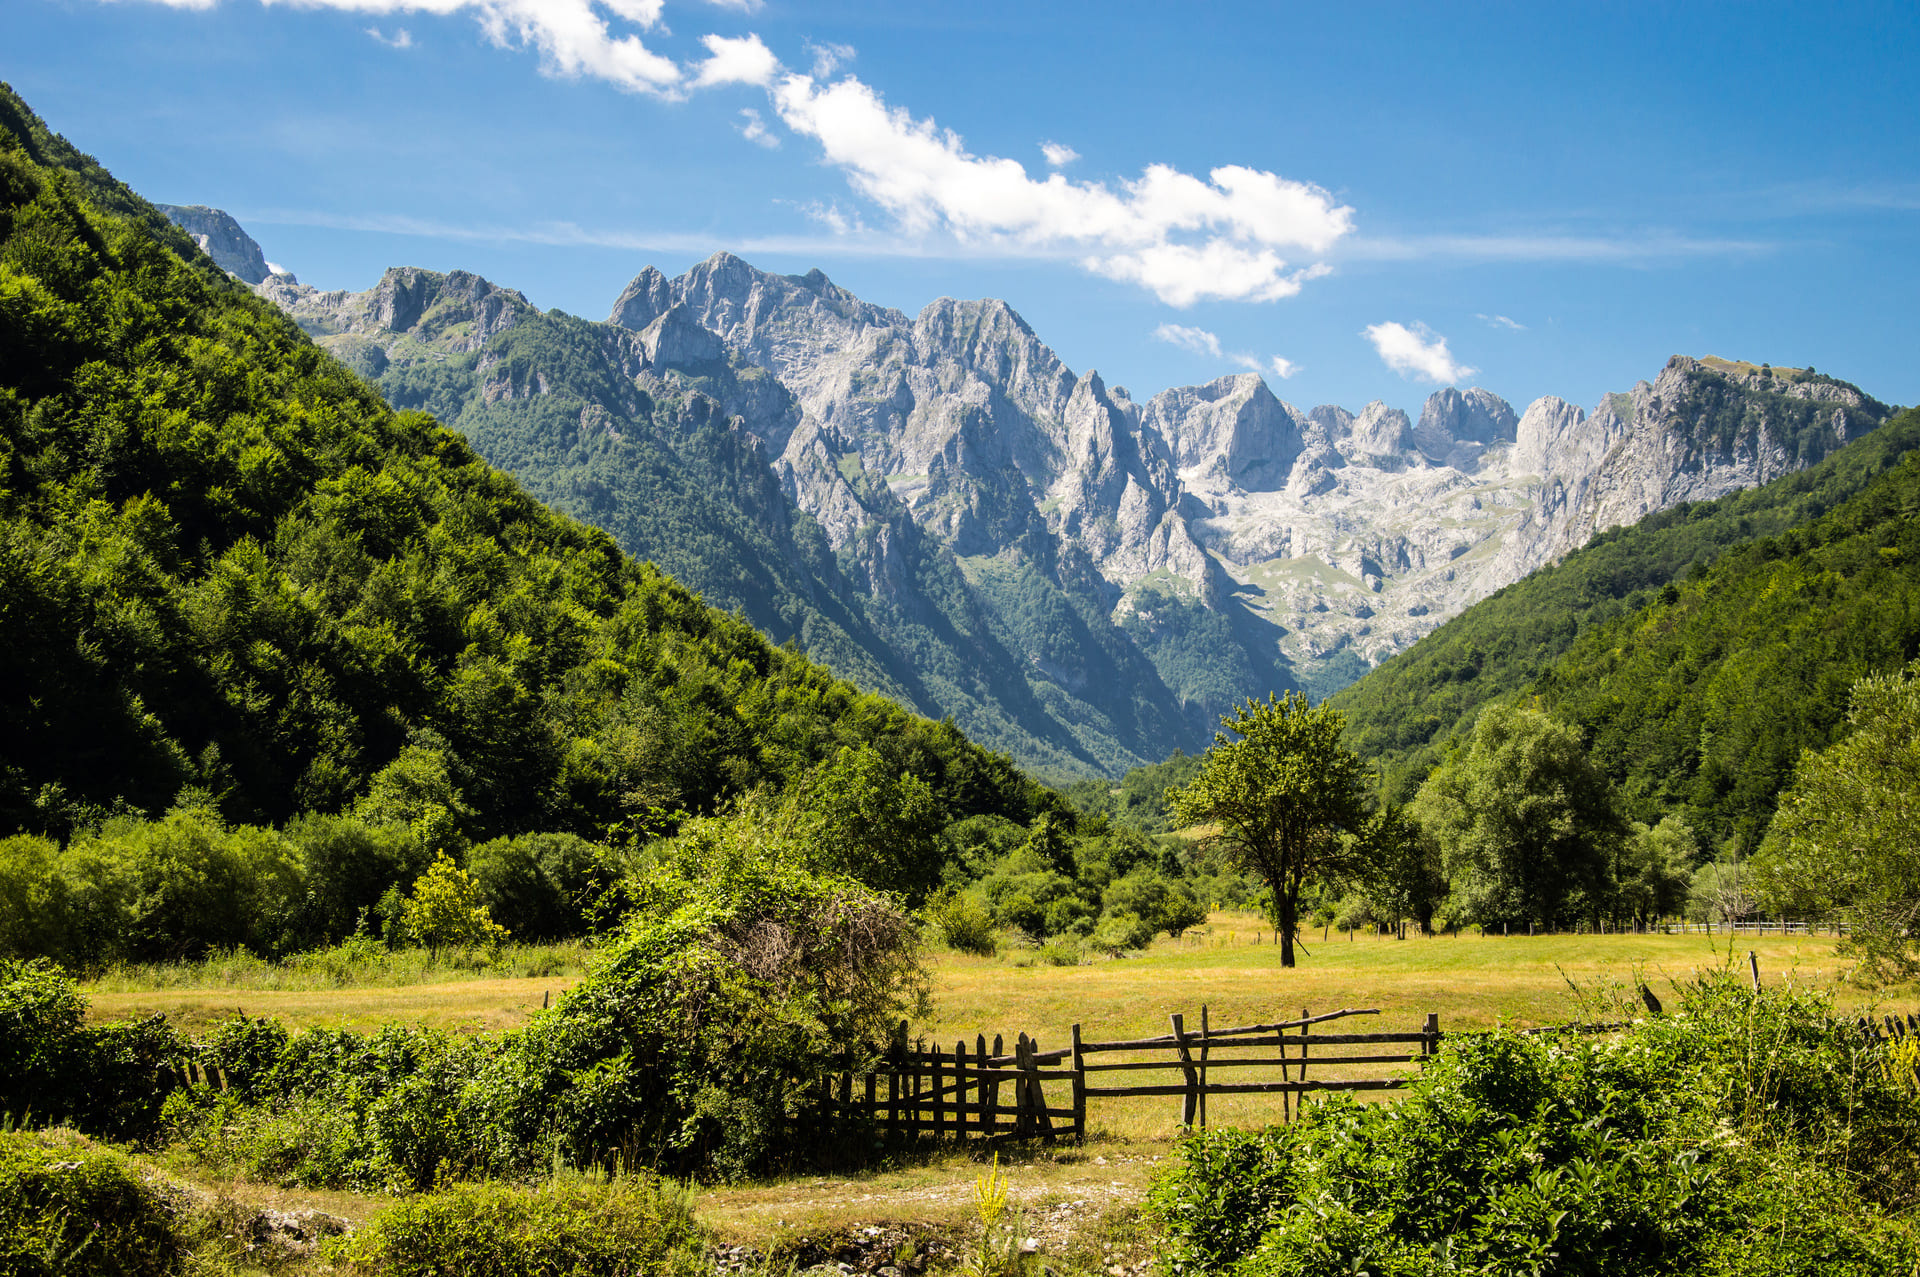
x=939, y=508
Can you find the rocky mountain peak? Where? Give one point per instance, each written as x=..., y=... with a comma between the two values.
x=645, y=299
x=221, y=238
x=1232, y=427
x=1378, y=434
x=1455, y=427
x=676, y=340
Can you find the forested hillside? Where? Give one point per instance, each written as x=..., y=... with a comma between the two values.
x=1404, y=713
x=1699, y=652
x=228, y=568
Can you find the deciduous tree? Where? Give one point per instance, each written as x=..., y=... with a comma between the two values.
x=1523, y=818
x=1283, y=799
x=1847, y=833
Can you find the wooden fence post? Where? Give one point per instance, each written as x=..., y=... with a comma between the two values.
x=1022, y=1102
x=960, y=1087
x=1203, y=1065
x=993, y=1092
x=939, y=1101
x=1191, y=1100
x=1753, y=962
x=1432, y=1029
x=986, y=1116
x=1079, y=1091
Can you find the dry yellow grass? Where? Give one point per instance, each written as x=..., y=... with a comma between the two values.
x=475, y=1006
x=1471, y=982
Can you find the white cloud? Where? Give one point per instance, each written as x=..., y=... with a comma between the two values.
x=754, y=129
x=1058, y=156
x=572, y=36
x=738, y=6
x=1202, y=342
x=828, y=58
x=1501, y=321
x=1198, y=340
x=1183, y=238
x=1417, y=352
x=736, y=60
x=400, y=39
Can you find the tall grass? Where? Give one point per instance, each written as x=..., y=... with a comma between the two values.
x=344, y=966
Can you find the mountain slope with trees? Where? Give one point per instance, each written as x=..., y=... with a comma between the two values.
x=228, y=567
x=1404, y=713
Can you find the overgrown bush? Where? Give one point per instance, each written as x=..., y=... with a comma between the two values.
x=1744, y=1135
x=105, y=1079
x=635, y=1227
x=961, y=922
x=71, y=1209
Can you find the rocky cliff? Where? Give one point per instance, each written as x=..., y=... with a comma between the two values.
x=1080, y=578
x=1331, y=539
x=220, y=238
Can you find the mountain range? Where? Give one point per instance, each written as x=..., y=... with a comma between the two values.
x=938, y=508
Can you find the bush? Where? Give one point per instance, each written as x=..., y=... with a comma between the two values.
x=69, y=1209
x=959, y=921
x=632, y=1228
x=1745, y=1134
x=105, y=1079
x=540, y=886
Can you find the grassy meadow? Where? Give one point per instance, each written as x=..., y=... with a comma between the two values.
x=1073, y=1197
x=1230, y=965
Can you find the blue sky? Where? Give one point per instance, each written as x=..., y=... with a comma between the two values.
x=1540, y=199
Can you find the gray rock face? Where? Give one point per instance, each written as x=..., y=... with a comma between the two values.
x=1344, y=537
x=220, y=238
x=1455, y=429
x=1328, y=540
x=676, y=340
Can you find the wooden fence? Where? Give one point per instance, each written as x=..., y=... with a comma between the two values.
x=988, y=1092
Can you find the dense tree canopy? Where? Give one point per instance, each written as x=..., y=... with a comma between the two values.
x=1526, y=824
x=1847, y=834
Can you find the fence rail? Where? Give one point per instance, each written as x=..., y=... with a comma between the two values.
x=977, y=1090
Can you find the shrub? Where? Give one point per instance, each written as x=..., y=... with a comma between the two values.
x=634, y=1227
x=445, y=910
x=961, y=922
x=69, y=1209
x=1745, y=1134
x=105, y=1079
x=539, y=886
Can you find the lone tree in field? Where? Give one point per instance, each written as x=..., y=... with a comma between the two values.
x=1285, y=798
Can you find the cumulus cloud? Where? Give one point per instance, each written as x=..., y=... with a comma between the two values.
x=735, y=60
x=1202, y=342
x=1417, y=352
x=1501, y=321
x=754, y=129
x=400, y=39
x=573, y=37
x=1183, y=238
x=1058, y=156
x=828, y=58
x=1198, y=340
